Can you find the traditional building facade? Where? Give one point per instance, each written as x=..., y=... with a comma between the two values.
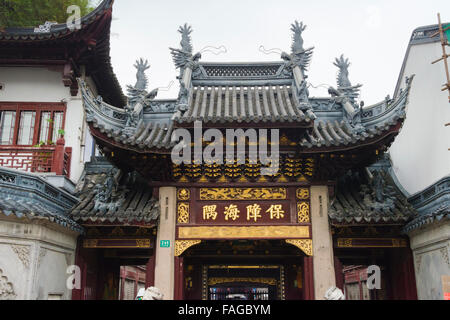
x=44, y=143
x=323, y=202
x=229, y=229
x=425, y=173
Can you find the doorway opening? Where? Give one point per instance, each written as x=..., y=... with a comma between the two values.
x=244, y=270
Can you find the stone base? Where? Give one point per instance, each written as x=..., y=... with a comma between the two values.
x=34, y=259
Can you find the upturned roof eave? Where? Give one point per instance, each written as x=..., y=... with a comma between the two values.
x=61, y=30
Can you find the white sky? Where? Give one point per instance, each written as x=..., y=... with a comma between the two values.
x=373, y=34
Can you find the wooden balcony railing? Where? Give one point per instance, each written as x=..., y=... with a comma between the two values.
x=55, y=158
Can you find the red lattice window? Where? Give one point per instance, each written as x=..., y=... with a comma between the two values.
x=29, y=124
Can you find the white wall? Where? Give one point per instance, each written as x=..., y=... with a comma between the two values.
x=420, y=153
x=42, y=84
x=34, y=259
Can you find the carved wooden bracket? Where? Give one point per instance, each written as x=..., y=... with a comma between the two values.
x=69, y=79
x=303, y=244
x=182, y=245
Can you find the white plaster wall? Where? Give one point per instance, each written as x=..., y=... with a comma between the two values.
x=164, y=262
x=35, y=257
x=323, y=257
x=420, y=153
x=431, y=249
x=42, y=84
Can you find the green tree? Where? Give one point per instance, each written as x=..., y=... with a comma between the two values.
x=32, y=13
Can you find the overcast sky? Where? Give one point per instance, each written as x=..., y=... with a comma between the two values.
x=373, y=34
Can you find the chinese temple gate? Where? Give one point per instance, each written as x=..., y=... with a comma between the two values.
x=223, y=230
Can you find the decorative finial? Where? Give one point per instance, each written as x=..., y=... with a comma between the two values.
x=342, y=78
x=182, y=57
x=299, y=56
x=141, y=66
x=186, y=43
x=297, y=44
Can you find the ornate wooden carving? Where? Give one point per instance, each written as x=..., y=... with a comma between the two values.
x=269, y=281
x=183, y=194
x=253, y=232
x=117, y=243
x=302, y=193
x=303, y=212
x=294, y=170
x=243, y=193
x=183, y=245
x=183, y=212
x=371, y=243
x=303, y=244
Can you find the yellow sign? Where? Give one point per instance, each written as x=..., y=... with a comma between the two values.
x=265, y=232
x=255, y=212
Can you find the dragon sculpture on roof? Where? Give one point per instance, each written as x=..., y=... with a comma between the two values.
x=301, y=58
x=298, y=56
x=346, y=94
x=138, y=97
x=184, y=57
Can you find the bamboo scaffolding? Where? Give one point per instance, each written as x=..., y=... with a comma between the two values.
x=445, y=56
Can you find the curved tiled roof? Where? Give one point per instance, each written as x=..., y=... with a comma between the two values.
x=432, y=204
x=369, y=196
x=89, y=46
x=26, y=195
x=135, y=201
x=34, y=211
x=333, y=132
x=228, y=104
x=439, y=214
x=57, y=31
x=329, y=129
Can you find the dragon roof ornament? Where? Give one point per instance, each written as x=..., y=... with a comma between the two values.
x=297, y=44
x=346, y=94
x=299, y=56
x=343, y=80
x=298, y=61
x=106, y=194
x=184, y=57
x=138, y=97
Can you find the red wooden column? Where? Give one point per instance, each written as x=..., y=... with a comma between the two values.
x=338, y=273
x=411, y=289
x=150, y=271
x=308, y=278
x=179, y=279
x=77, y=294
x=58, y=157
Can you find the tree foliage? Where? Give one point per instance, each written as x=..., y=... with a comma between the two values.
x=32, y=13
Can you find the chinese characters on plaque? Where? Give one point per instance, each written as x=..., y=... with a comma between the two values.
x=253, y=212
x=243, y=206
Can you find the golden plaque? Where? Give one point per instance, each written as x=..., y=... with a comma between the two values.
x=265, y=232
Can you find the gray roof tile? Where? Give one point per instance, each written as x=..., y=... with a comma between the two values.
x=130, y=201
x=367, y=197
